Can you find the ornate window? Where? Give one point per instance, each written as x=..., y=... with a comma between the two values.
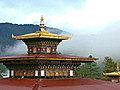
x=34, y=49
x=36, y=72
x=42, y=73
x=71, y=72
x=48, y=49
x=12, y=72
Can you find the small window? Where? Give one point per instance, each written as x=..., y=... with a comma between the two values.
x=36, y=72
x=71, y=72
x=34, y=50
x=48, y=50
x=42, y=73
x=12, y=72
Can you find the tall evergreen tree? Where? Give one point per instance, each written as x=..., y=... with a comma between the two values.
x=88, y=70
x=110, y=65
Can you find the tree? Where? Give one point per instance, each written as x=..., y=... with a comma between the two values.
x=88, y=70
x=2, y=70
x=110, y=65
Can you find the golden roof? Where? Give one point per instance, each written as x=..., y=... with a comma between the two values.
x=117, y=73
x=41, y=34
x=112, y=74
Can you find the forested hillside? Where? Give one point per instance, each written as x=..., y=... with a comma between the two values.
x=7, y=29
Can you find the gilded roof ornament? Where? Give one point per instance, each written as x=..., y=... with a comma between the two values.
x=42, y=26
x=117, y=67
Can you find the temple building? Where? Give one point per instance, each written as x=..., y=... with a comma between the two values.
x=114, y=75
x=43, y=60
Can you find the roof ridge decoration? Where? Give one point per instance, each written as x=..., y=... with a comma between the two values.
x=117, y=69
x=42, y=33
x=42, y=26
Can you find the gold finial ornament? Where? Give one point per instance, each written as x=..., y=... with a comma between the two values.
x=117, y=67
x=42, y=26
x=42, y=18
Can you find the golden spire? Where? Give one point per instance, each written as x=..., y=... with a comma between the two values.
x=117, y=67
x=42, y=26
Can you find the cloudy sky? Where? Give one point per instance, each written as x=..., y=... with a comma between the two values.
x=73, y=15
x=95, y=24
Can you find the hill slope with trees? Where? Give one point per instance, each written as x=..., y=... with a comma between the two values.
x=7, y=29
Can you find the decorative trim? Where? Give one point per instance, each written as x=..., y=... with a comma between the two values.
x=37, y=58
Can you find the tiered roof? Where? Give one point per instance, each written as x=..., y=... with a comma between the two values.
x=42, y=33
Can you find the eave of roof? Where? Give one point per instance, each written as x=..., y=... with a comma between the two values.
x=41, y=34
x=112, y=74
x=47, y=57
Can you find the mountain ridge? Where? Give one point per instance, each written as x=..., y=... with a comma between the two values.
x=7, y=29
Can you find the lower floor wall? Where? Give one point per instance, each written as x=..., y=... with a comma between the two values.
x=41, y=73
x=42, y=70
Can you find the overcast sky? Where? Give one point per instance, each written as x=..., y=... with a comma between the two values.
x=70, y=15
x=95, y=24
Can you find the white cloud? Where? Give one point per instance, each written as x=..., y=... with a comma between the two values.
x=89, y=16
x=95, y=13
x=17, y=49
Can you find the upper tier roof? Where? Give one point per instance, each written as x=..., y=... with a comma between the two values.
x=42, y=33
